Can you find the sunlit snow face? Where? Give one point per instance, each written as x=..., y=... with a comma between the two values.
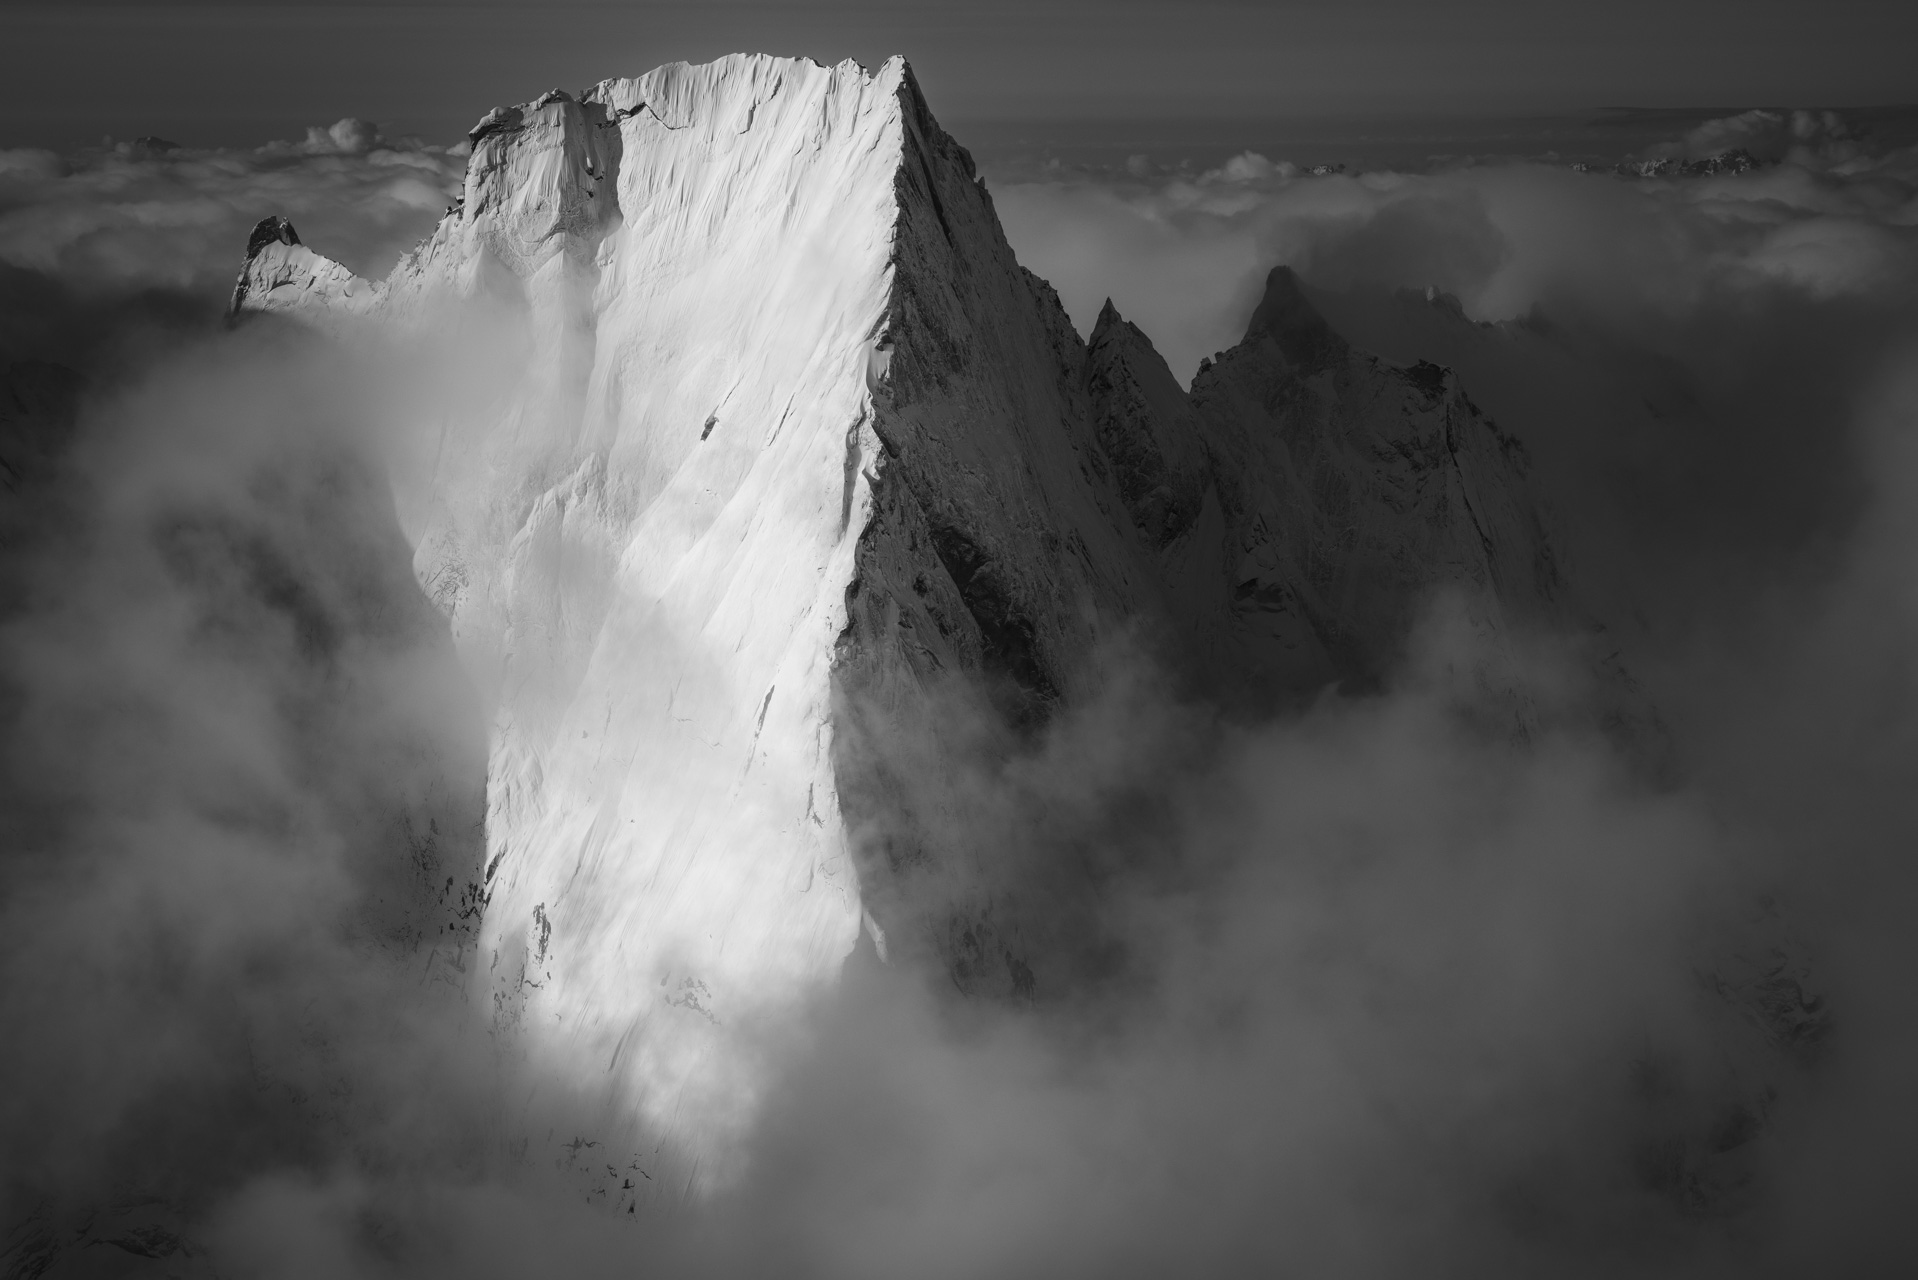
x=1379, y=978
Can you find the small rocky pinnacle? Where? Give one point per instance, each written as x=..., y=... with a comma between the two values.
x=274, y=230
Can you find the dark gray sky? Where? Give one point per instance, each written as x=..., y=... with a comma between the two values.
x=243, y=71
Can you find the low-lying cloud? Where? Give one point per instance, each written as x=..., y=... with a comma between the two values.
x=1402, y=984
x=1183, y=254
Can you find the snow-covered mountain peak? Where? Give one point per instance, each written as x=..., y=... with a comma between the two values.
x=274, y=230
x=785, y=438
x=647, y=546
x=282, y=274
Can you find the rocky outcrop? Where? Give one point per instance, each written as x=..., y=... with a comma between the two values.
x=1736, y=160
x=1351, y=488
x=1146, y=429
x=1308, y=499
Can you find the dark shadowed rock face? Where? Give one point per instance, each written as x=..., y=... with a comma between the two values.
x=1352, y=487
x=274, y=230
x=1289, y=322
x=1145, y=429
x=1306, y=499
x=1274, y=531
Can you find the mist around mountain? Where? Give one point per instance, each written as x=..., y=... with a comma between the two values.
x=1467, y=839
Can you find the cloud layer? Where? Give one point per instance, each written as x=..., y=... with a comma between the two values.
x=1182, y=254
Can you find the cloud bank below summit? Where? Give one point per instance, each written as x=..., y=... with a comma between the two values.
x=1184, y=254
x=1395, y=998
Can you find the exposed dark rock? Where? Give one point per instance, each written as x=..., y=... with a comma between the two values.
x=274, y=230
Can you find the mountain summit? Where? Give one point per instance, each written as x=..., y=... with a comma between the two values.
x=786, y=426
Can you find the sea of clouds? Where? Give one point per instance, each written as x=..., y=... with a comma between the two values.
x=1183, y=254
x=1376, y=989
